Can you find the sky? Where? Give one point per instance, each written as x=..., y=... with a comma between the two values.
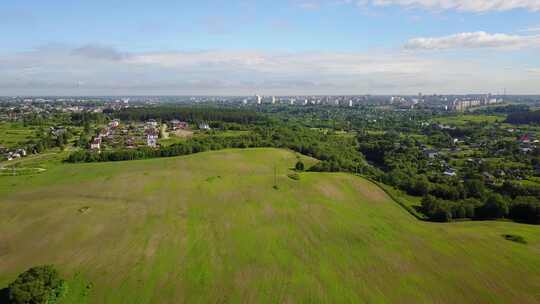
x=274, y=47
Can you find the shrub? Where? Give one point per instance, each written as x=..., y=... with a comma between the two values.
x=294, y=176
x=299, y=166
x=515, y=238
x=40, y=284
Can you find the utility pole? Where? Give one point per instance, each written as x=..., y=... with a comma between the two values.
x=275, y=177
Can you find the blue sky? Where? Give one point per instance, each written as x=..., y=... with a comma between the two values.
x=269, y=47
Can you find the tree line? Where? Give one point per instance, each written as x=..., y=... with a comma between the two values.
x=531, y=117
x=334, y=152
x=190, y=114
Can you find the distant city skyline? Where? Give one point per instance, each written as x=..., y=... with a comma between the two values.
x=287, y=47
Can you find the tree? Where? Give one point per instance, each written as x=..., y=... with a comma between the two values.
x=435, y=209
x=299, y=166
x=495, y=207
x=421, y=186
x=475, y=188
x=40, y=284
x=525, y=209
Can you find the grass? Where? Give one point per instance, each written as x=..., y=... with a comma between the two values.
x=227, y=133
x=210, y=228
x=13, y=135
x=50, y=158
x=411, y=203
x=464, y=119
x=179, y=139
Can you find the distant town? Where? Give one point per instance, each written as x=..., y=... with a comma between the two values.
x=20, y=105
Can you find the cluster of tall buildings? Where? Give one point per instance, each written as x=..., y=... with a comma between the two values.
x=461, y=104
x=306, y=100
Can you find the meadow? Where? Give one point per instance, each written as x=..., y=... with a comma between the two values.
x=463, y=119
x=212, y=228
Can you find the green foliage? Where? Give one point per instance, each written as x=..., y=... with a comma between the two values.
x=515, y=238
x=336, y=153
x=525, y=209
x=530, y=117
x=294, y=176
x=37, y=285
x=475, y=188
x=299, y=166
x=444, y=211
x=495, y=207
x=190, y=114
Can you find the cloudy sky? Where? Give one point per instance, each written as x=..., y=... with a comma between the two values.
x=229, y=47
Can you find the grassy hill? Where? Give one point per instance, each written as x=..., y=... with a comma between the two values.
x=210, y=228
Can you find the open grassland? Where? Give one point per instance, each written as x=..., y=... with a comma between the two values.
x=210, y=228
x=463, y=119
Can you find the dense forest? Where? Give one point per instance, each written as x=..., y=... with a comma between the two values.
x=190, y=114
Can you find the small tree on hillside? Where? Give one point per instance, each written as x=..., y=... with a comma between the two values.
x=299, y=166
x=40, y=284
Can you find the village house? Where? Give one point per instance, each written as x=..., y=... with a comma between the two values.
x=450, y=172
x=58, y=131
x=151, y=137
x=13, y=155
x=21, y=152
x=104, y=133
x=177, y=125
x=430, y=153
x=204, y=126
x=525, y=139
x=114, y=124
x=96, y=143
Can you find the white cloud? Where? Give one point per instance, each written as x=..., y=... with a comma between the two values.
x=474, y=6
x=103, y=70
x=96, y=51
x=461, y=5
x=308, y=5
x=534, y=71
x=324, y=63
x=534, y=29
x=473, y=40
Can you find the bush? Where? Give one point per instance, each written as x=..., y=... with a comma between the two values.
x=40, y=284
x=299, y=166
x=436, y=209
x=294, y=176
x=515, y=238
x=525, y=209
x=495, y=207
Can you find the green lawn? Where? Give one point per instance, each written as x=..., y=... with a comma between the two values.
x=211, y=228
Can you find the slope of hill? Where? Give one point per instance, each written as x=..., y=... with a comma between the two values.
x=211, y=227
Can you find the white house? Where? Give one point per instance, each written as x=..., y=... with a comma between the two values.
x=96, y=143
x=204, y=126
x=152, y=137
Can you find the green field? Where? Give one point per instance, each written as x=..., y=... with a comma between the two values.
x=211, y=228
